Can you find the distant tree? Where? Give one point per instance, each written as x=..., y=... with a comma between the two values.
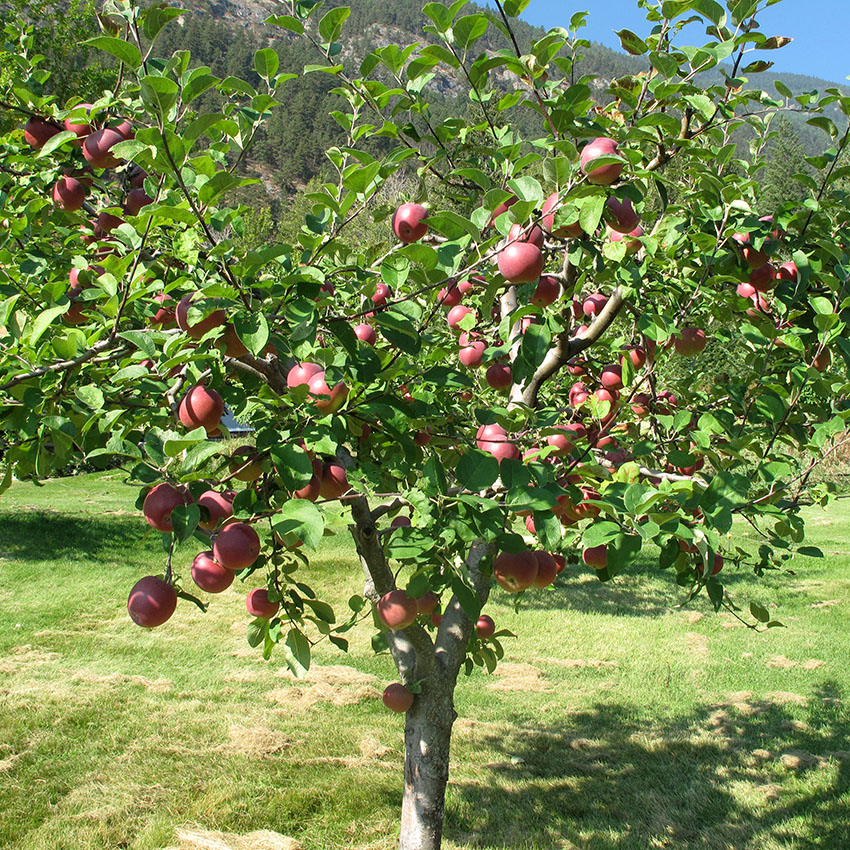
x=786, y=157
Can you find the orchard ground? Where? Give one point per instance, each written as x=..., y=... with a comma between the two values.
x=618, y=721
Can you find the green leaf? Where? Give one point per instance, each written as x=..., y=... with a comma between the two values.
x=287, y=22
x=759, y=612
x=156, y=17
x=90, y=395
x=159, y=93
x=56, y=142
x=257, y=631
x=535, y=344
x=514, y=8
x=322, y=610
x=330, y=26
x=399, y=330
x=293, y=465
x=184, y=521
x=810, y=551
x=44, y=320
x=301, y=520
x=467, y=598
x=632, y=43
x=591, y=212
x=172, y=446
x=477, y=470
x=296, y=651
x=600, y=532
x=253, y=330
x=122, y=50
x=469, y=29
x=266, y=62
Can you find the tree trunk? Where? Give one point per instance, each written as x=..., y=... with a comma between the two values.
x=427, y=738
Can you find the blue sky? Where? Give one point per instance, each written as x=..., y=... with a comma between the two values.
x=820, y=29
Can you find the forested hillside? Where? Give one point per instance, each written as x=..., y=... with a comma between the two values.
x=224, y=35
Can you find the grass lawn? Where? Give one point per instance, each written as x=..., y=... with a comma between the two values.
x=617, y=722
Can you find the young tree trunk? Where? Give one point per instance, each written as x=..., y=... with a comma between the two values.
x=427, y=738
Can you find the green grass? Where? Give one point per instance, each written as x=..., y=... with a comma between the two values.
x=619, y=722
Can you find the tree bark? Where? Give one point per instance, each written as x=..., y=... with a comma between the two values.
x=427, y=739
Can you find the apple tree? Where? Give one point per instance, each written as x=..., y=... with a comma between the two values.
x=591, y=345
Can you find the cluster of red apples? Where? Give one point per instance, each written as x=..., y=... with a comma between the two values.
x=71, y=190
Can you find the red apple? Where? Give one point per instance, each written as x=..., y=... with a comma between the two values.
x=716, y=568
x=567, y=231
x=37, y=131
x=230, y=343
x=80, y=130
x=621, y=215
x=164, y=316
x=604, y=175
x=366, y=333
x=472, y=355
x=135, y=200
x=560, y=441
x=300, y=374
x=689, y=341
x=547, y=569
x=152, y=601
x=423, y=437
x=236, y=546
x=457, y=314
x=397, y=698
x=210, y=576
x=400, y=521
x=499, y=376
x=578, y=395
x=397, y=610
x=520, y=262
x=632, y=239
x=214, y=320
x=547, y=292
x=788, y=271
x=334, y=481
x=764, y=278
x=409, y=222
x=594, y=304
x=201, y=408
x=503, y=208
x=428, y=603
x=611, y=376
x=485, y=627
x=515, y=571
x=560, y=563
x=534, y=234
x=596, y=556
x=69, y=194
x=97, y=148
x=822, y=361
x=312, y=489
x=160, y=502
x=219, y=506
x=258, y=605
x=326, y=400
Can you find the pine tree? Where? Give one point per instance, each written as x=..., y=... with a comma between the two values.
x=786, y=157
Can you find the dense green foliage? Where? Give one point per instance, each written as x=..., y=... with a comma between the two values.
x=713, y=358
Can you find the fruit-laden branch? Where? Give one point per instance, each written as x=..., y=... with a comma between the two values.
x=567, y=347
x=412, y=648
x=64, y=365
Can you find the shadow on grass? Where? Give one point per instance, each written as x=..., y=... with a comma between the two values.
x=627, y=783
x=40, y=535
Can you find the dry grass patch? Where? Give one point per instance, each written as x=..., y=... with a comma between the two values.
x=517, y=676
x=204, y=839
